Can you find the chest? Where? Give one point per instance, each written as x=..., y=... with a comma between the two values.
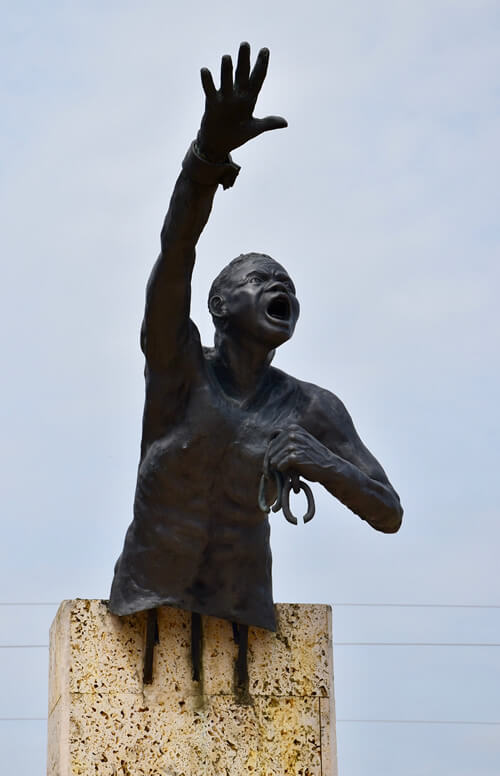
x=221, y=432
x=210, y=438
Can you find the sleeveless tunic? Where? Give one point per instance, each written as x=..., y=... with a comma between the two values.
x=198, y=540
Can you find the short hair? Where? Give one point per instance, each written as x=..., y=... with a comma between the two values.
x=224, y=277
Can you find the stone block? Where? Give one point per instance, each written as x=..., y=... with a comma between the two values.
x=103, y=720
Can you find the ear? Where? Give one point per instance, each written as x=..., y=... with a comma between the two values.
x=217, y=306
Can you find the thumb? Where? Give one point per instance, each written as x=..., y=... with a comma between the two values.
x=270, y=122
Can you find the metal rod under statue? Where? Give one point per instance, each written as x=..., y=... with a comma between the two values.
x=225, y=434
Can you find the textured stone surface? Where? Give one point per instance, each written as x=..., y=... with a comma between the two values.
x=102, y=720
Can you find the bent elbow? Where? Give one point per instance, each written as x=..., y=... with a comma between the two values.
x=388, y=517
x=392, y=527
x=392, y=521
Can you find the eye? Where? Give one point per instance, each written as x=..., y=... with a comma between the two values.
x=288, y=284
x=255, y=279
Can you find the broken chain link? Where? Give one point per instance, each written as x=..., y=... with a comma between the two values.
x=284, y=484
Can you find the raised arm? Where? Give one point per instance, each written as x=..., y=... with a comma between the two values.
x=227, y=123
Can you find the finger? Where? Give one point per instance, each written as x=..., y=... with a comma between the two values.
x=288, y=440
x=243, y=67
x=287, y=453
x=259, y=71
x=207, y=82
x=277, y=445
x=226, y=74
x=265, y=465
x=270, y=122
x=285, y=462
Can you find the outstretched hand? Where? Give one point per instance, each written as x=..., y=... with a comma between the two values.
x=228, y=121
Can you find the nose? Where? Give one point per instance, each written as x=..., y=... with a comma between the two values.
x=277, y=286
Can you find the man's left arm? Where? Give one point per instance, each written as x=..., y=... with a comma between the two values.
x=336, y=457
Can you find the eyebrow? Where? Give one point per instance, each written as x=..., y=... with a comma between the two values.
x=281, y=276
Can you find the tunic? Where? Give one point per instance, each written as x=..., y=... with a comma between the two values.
x=199, y=540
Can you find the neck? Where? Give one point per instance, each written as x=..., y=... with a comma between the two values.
x=240, y=367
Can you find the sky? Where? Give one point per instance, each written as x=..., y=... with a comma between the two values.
x=381, y=199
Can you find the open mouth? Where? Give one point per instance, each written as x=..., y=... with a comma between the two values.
x=279, y=308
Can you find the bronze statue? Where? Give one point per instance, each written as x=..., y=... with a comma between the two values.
x=217, y=419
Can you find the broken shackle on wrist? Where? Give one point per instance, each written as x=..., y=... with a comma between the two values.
x=200, y=170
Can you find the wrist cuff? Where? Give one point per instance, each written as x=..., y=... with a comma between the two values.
x=199, y=170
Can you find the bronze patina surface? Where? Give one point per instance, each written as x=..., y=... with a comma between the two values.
x=216, y=419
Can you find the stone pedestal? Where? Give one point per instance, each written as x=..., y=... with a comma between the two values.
x=103, y=720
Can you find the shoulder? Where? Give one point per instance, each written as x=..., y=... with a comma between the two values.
x=323, y=401
x=312, y=397
x=318, y=409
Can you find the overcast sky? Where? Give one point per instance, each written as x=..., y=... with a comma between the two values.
x=382, y=200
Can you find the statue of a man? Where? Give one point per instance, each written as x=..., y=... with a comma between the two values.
x=214, y=417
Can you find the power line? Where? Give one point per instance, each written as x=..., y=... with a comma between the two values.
x=423, y=606
x=421, y=721
x=414, y=644
x=30, y=603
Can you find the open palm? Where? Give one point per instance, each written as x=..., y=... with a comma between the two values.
x=228, y=121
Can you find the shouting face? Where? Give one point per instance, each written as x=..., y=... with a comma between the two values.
x=254, y=299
